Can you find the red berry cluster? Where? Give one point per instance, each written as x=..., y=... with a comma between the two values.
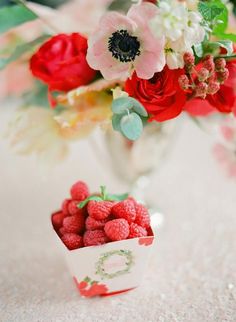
x=204, y=78
x=98, y=221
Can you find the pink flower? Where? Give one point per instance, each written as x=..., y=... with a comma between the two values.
x=123, y=44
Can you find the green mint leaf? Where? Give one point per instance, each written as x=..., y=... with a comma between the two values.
x=103, y=192
x=12, y=16
x=84, y=202
x=117, y=197
x=131, y=126
x=22, y=49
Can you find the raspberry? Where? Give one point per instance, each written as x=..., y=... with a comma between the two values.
x=143, y=217
x=136, y=231
x=93, y=224
x=125, y=209
x=62, y=231
x=213, y=88
x=74, y=224
x=99, y=210
x=57, y=220
x=220, y=64
x=203, y=74
x=188, y=59
x=117, y=229
x=73, y=207
x=79, y=191
x=72, y=241
x=95, y=237
x=64, y=206
x=183, y=82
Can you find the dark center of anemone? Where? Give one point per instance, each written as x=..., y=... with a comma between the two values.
x=123, y=46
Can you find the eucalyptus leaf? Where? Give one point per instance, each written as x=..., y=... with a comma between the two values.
x=124, y=104
x=116, y=118
x=131, y=126
x=22, y=49
x=12, y=16
x=138, y=107
x=121, y=105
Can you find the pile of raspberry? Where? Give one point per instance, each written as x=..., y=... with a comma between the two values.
x=88, y=220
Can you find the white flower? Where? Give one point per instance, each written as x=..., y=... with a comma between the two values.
x=174, y=60
x=170, y=21
x=181, y=27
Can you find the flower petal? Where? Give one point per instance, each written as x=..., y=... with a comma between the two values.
x=148, y=63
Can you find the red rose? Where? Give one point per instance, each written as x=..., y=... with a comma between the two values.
x=61, y=62
x=161, y=95
x=223, y=101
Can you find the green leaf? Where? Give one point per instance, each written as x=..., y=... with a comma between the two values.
x=117, y=197
x=124, y=104
x=116, y=118
x=84, y=203
x=103, y=192
x=131, y=126
x=227, y=44
x=120, y=5
x=214, y=12
x=121, y=105
x=222, y=35
x=20, y=50
x=38, y=96
x=12, y=16
x=87, y=279
x=138, y=107
x=209, y=10
x=198, y=50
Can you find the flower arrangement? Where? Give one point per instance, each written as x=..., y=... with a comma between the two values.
x=149, y=62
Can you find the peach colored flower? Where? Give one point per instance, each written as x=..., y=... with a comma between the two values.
x=35, y=131
x=124, y=43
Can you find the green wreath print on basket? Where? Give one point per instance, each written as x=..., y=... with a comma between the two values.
x=100, y=265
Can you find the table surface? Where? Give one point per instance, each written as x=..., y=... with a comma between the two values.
x=192, y=272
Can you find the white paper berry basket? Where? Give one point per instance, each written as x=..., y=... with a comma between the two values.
x=111, y=268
